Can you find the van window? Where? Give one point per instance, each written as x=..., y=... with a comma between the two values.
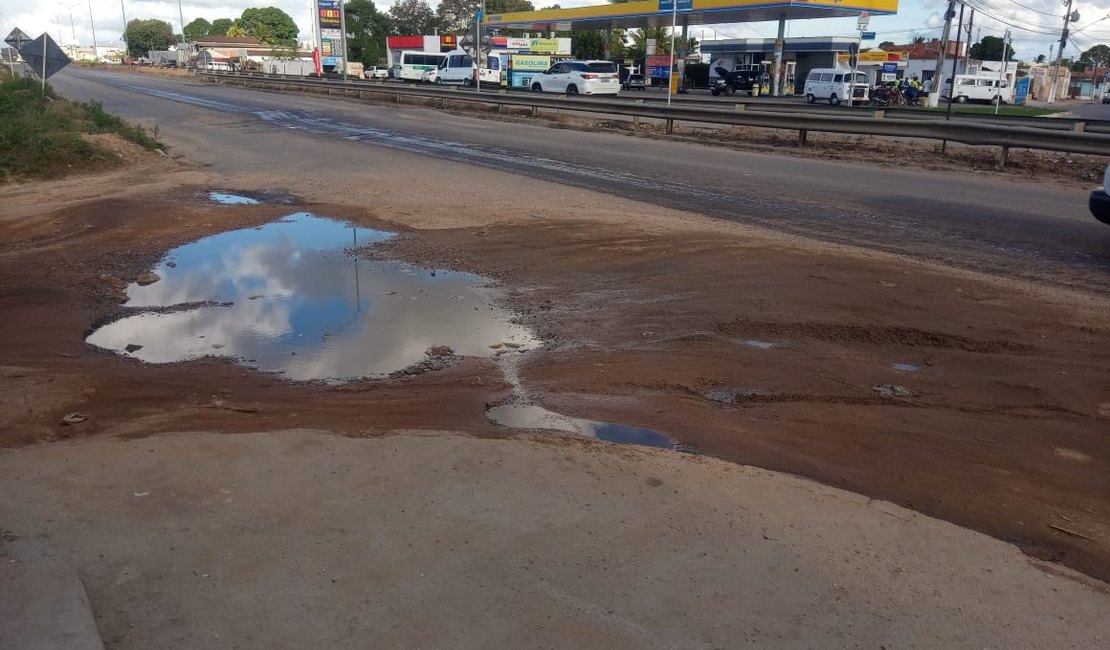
x=495, y=63
x=827, y=76
x=838, y=78
x=967, y=82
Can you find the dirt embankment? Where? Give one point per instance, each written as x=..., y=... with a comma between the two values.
x=950, y=395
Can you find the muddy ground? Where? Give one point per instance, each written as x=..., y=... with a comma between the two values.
x=737, y=343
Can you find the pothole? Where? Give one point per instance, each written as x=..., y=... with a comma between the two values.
x=224, y=198
x=530, y=417
x=289, y=298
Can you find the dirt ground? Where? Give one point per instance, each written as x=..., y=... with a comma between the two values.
x=738, y=343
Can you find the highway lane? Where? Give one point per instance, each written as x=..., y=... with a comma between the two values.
x=977, y=221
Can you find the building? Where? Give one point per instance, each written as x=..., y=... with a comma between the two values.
x=1090, y=84
x=236, y=52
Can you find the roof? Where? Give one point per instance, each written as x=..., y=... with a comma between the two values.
x=930, y=50
x=815, y=44
x=224, y=41
x=657, y=13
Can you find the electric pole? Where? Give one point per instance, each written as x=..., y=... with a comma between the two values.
x=937, y=85
x=967, y=52
x=1068, y=18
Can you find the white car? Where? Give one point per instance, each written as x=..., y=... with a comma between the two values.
x=579, y=78
x=376, y=72
x=1100, y=199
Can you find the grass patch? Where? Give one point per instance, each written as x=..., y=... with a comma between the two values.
x=41, y=133
x=1022, y=111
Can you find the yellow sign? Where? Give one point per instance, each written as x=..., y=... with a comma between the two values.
x=523, y=62
x=875, y=57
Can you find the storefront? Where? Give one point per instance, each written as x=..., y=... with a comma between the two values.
x=799, y=56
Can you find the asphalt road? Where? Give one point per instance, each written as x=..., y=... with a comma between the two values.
x=977, y=221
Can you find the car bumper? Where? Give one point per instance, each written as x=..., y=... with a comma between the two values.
x=601, y=88
x=1100, y=206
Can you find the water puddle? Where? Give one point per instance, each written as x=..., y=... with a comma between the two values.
x=287, y=298
x=231, y=199
x=760, y=345
x=906, y=367
x=534, y=418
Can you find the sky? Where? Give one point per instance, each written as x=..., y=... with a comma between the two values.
x=1036, y=24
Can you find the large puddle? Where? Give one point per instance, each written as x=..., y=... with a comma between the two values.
x=289, y=298
x=535, y=418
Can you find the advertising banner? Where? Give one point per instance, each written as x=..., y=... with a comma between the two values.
x=548, y=45
x=331, y=36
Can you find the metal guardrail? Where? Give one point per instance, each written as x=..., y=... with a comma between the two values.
x=875, y=123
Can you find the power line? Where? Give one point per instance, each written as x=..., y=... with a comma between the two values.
x=1043, y=13
x=982, y=7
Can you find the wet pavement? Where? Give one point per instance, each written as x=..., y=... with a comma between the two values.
x=290, y=298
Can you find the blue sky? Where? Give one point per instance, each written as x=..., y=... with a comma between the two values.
x=1040, y=20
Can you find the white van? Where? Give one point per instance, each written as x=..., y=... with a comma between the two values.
x=979, y=88
x=409, y=66
x=835, y=85
x=457, y=67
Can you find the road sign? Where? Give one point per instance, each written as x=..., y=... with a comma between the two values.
x=867, y=36
x=650, y=46
x=890, y=67
x=43, y=56
x=683, y=5
x=17, y=38
x=864, y=18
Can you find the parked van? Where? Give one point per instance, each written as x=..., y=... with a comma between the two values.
x=409, y=66
x=979, y=88
x=835, y=85
x=457, y=67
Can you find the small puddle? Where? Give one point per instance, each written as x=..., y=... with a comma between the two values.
x=906, y=367
x=534, y=418
x=760, y=345
x=287, y=298
x=231, y=199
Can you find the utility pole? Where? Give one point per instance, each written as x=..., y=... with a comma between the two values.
x=937, y=85
x=967, y=52
x=1068, y=18
x=96, y=57
x=955, y=60
x=343, y=61
x=181, y=17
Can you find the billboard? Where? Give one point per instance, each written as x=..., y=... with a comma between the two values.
x=549, y=45
x=331, y=34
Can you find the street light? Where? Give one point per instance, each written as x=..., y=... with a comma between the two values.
x=92, y=26
x=72, y=29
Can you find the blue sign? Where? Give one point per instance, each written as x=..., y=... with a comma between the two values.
x=1021, y=91
x=683, y=5
x=890, y=67
x=867, y=36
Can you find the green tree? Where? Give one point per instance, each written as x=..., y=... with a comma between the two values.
x=1040, y=58
x=220, y=27
x=1099, y=56
x=269, y=24
x=457, y=16
x=991, y=49
x=413, y=17
x=887, y=45
x=918, y=39
x=142, y=36
x=237, y=30
x=367, y=29
x=592, y=44
x=199, y=28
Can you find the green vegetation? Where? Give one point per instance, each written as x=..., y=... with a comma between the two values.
x=1023, y=111
x=41, y=134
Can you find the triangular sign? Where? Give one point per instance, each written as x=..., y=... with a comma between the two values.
x=43, y=56
x=17, y=38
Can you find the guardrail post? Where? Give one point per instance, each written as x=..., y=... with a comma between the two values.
x=670, y=126
x=443, y=103
x=802, y=135
x=879, y=115
x=396, y=98
x=1003, y=156
x=740, y=107
x=1079, y=127
x=535, y=111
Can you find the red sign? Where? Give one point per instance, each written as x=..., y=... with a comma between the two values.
x=448, y=41
x=659, y=61
x=405, y=43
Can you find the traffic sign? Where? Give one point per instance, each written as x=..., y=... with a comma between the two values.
x=43, y=56
x=864, y=18
x=867, y=36
x=17, y=38
x=890, y=67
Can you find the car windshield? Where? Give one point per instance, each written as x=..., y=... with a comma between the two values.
x=602, y=66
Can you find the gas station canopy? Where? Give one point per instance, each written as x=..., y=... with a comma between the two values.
x=657, y=13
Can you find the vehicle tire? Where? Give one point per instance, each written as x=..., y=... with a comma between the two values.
x=715, y=92
x=439, y=81
x=468, y=82
x=834, y=100
x=961, y=100
x=810, y=99
x=997, y=101
x=536, y=88
x=572, y=90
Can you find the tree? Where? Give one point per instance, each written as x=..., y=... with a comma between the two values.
x=1099, y=56
x=413, y=17
x=367, y=29
x=662, y=36
x=457, y=16
x=269, y=25
x=991, y=49
x=142, y=36
x=220, y=27
x=1040, y=58
x=918, y=39
x=199, y=28
x=886, y=45
x=236, y=30
x=599, y=44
